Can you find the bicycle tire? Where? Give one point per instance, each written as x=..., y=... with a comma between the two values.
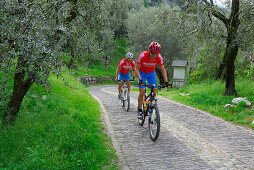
x=141, y=122
x=122, y=98
x=127, y=102
x=154, y=123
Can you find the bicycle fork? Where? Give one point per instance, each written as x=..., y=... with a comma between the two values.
x=150, y=111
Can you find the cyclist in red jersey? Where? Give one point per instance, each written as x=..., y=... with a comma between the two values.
x=122, y=72
x=145, y=70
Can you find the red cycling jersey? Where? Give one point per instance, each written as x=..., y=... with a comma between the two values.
x=125, y=67
x=148, y=65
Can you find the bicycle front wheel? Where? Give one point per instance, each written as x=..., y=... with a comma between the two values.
x=122, y=103
x=127, y=102
x=154, y=122
x=142, y=121
x=122, y=98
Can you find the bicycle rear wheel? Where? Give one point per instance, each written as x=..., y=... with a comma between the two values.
x=154, y=123
x=127, y=102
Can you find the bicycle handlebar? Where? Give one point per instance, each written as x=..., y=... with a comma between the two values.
x=158, y=86
x=124, y=80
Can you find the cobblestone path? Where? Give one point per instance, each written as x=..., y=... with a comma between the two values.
x=189, y=138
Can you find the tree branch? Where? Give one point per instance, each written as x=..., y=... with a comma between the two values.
x=220, y=16
x=205, y=1
x=215, y=13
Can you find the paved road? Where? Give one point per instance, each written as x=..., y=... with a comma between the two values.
x=189, y=138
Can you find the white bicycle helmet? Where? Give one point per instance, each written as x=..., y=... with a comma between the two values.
x=129, y=55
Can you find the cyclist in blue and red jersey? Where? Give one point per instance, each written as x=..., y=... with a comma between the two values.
x=123, y=72
x=145, y=70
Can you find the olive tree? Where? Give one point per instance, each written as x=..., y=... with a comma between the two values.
x=86, y=30
x=203, y=42
x=26, y=51
x=231, y=18
x=91, y=28
x=33, y=32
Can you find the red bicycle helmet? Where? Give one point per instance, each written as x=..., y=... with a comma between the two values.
x=155, y=47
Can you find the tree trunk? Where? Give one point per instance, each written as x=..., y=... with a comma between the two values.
x=231, y=24
x=72, y=58
x=232, y=49
x=222, y=70
x=20, y=89
x=159, y=74
x=107, y=60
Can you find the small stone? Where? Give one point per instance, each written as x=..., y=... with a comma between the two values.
x=44, y=97
x=227, y=106
x=252, y=122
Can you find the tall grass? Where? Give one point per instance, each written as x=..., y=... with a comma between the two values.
x=57, y=130
x=208, y=96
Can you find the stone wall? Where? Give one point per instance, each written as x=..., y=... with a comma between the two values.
x=93, y=80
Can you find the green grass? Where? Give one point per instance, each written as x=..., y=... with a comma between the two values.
x=62, y=131
x=95, y=69
x=208, y=96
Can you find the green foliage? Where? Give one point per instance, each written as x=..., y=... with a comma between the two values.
x=207, y=96
x=120, y=50
x=152, y=3
x=92, y=30
x=159, y=24
x=32, y=34
x=242, y=66
x=206, y=65
x=251, y=75
x=97, y=68
x=26, y=42
x=57, y=130
x=199, y=75
x=134, y=4
x=209, y=32
x=246, y=30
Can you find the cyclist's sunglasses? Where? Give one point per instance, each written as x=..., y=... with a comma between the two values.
x=152, y=53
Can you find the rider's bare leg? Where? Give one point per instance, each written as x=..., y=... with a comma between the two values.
x=129, y=86
x=120, y=87
x=140, y=97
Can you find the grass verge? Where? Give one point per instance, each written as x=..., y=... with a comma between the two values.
x=57, y=130
x=208, y=96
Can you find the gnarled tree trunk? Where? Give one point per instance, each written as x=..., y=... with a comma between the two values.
x=228, y=65
x=232, y=49
x=222, y=70
x=231, y=52
x=21, y=87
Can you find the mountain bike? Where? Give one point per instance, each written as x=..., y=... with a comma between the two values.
x=151, y=110
x=125, y=96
